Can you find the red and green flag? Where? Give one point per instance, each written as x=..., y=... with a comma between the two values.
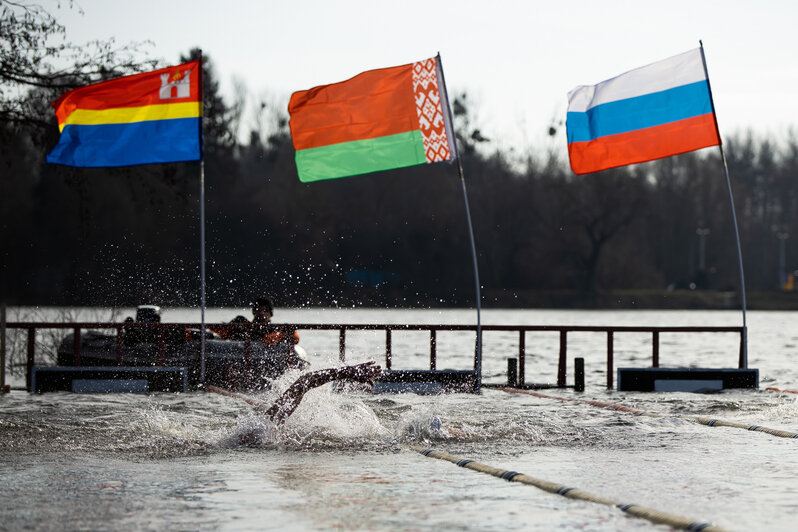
x=378, y=120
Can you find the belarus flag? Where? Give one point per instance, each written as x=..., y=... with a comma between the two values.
x=378, y=120
x=655, y=111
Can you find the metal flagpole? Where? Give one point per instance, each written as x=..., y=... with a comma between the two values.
x=202, y=270
x=448, y=118
x=476, y=276
x=744, y=354
x=202, y=232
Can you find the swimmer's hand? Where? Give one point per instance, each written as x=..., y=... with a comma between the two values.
x=365, y=372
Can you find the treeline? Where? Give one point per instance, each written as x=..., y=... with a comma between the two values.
x=125, y=236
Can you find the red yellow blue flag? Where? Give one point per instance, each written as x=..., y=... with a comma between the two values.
x=152, y=117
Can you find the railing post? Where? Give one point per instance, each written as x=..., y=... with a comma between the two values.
x=342, y=345
x=119, y=345
x=521, y=358
x=290, y=336
x=31, y=356
x=199, y=367
x=247, y=360
x=512, y=372
x=247, y=346
x=477, y=355
x=655, y=349
x=76, y=346
x=161, y=346
x=579, y=374
x=432, y=349
x=561, y=367
x=741, y=363
x=388, y=354
x=610, y=359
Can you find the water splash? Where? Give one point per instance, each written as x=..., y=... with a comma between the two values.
x=421, y=425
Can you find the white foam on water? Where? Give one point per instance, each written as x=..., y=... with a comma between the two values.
x=165, y=431
x=328, y=416
x=252, y=430
x=342, y=416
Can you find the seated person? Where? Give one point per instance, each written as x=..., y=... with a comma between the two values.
x=144, y=314
x=262, y=330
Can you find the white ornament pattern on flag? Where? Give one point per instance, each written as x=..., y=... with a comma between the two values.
x=430, y=112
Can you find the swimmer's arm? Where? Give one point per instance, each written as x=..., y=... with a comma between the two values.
x=289, y=401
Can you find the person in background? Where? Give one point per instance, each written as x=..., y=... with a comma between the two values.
x=262, y=329
x=144, y=314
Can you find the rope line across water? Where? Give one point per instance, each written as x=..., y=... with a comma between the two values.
x=710, y=422
x=655, y=516
x=772, y=389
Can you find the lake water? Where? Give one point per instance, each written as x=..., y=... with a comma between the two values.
x=343, y=460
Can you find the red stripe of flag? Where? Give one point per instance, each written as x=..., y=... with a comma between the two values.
x=137, y=90
x=643, y=145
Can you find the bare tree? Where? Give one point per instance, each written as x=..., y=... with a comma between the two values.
x=34, y=53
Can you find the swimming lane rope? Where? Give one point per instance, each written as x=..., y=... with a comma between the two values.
x=655, y=516
x=771, y=389
x=708, y=421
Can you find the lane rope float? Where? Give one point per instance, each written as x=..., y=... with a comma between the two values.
x=772, y=389
x=650, y=514
x=709, y=422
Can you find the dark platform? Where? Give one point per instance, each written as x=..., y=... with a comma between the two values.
x=699, y=380
x=427, y=381
x=108, y=379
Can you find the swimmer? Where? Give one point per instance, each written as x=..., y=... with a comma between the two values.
x=287, y=403
x=436, y=429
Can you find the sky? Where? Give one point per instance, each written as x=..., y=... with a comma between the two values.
x=517, y=60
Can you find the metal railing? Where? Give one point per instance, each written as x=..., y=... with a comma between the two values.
x=289, y=329
x=610, y=331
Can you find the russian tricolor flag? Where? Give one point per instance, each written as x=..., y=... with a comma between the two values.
x=655, y=111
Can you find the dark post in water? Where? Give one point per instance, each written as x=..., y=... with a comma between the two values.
x=512, y=372
x=579, y=374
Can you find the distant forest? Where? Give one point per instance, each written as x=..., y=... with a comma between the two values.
x=124, y=236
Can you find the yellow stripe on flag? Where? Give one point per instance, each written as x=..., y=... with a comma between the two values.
x=124, y=115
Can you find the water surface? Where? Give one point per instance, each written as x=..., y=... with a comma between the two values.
x=202, y=461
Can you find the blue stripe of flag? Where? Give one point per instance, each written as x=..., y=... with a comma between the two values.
x=155, y=141
x=649, y=110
